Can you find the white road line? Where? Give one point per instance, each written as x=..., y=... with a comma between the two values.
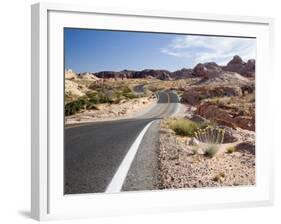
x=117, y=181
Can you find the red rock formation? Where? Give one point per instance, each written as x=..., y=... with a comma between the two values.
x=223, y=116
x=195, y=94
x=207, y=70
x=239, y=66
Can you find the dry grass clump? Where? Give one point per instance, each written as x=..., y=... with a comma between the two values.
x=183, y=127
x=231, y=149
x=219, y=177
x=211, y=150
x=211, y=135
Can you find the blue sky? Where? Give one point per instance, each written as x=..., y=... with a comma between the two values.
x=88, y=50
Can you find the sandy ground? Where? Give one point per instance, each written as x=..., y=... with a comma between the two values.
x=185, y=166
x=107, y=112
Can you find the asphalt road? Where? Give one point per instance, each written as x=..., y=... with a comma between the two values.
x=139, y=88
x=94, y=151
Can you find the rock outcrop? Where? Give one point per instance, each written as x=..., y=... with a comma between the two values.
x=195, y=94
x=110, y=75
x=88, y=76
x=239, y=66
x=225, y=116
x=207, y=70
x=226, y=78
x=74, y=89
x=236, y=65
x=69, y=74
x=147, y=73
x=248, y=146
x=182, y=74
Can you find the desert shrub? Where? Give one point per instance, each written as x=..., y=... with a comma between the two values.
x=111, y=96
x=211, y=135
x=94, y=98
x=74, y=107
x=85, y=102
x=211, y=150
x=130, y=95
x=69, y=98
x=231, y=149
x=183, y=127
x=119, y=94
x=101, y=94
x=104, y=98
x=216, y=178
x=126, y=92
x=219, y=177
x=91, y=106
x=99, y=97
x=207, y=123
x=126, y=89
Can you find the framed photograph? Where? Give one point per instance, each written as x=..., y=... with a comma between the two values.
x=138, y=111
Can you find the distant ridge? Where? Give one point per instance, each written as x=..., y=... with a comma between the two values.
x=206, y=70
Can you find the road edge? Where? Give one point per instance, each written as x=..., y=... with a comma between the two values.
x=119, y=177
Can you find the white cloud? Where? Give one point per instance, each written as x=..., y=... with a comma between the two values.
x=200, y=49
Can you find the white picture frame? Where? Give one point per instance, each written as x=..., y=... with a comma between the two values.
x=48, y=201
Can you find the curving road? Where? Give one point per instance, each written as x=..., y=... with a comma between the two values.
x=139, y=88
x=94, y=151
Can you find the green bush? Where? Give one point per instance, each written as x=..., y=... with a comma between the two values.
x=80, y=104
x=183, y=127
x=91, y=106
x=101, y=97
x=74, y=107
x=94, y=100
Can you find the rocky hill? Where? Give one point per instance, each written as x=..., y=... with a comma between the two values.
x=129, y=74
x=224, y=94
x=236, y=65
x=88, y=76
x=239, y=66
x=206, y=71
x=71, y=75
x=183, y=73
